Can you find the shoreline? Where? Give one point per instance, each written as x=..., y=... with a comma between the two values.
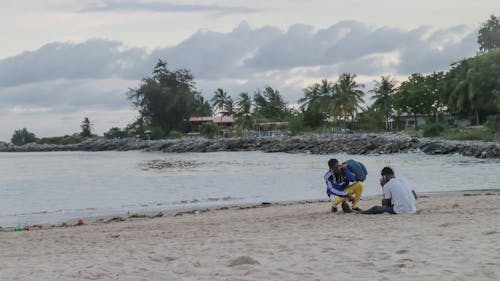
x=451, y=237
x=357, y=143
x=147, y=215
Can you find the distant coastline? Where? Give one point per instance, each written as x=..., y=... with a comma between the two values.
x=314, y=144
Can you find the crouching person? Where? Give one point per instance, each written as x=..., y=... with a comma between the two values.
x=338, y=187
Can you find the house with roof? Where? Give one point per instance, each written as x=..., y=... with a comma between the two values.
x=225, y=123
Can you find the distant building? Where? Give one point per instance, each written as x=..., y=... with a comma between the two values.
x=409, y=120
x=225, y=123
x=420, y=119
x=272, y=128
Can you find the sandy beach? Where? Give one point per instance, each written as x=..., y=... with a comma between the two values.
x=452, y=237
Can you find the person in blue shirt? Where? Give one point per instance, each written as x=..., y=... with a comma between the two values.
x=342, y=186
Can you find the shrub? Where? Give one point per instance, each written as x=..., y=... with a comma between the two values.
x=296, y=126
x=313, y=119
x=209, y=130
x=371, y=121
x=115, y=133
x=67, y=139
x=156, y=132
x=468, y=133
x=175, y=134
x=493, y=123
x=432, y=130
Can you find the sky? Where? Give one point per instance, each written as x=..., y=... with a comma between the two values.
x=64, y=60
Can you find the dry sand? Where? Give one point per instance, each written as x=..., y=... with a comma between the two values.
x=452, y=237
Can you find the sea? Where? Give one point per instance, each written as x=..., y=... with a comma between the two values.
x=56, y=187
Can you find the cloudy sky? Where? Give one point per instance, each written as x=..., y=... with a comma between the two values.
x=63, y=60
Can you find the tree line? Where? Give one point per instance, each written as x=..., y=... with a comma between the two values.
x=469, y=90
x=23, y=136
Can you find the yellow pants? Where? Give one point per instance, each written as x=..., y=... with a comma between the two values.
x=355, y=190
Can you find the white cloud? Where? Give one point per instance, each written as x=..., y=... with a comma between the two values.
x=51, y=89
x=162, y=6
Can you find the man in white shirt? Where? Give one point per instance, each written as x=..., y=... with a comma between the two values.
x=399, y=197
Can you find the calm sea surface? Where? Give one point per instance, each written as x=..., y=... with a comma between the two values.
x=52, y=187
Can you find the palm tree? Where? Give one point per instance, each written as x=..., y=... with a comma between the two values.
x=223, y=103
x=317, y=96
x=243, y=108
x=347, y=96
x=464, y=94
x=383, y=92
x=311, y=94
x=229, y=107
x=219, y=100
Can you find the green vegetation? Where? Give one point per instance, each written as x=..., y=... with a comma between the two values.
x=209, y=130
x=469, y=133
x=175, y=134
x=167, y=99
x=67, y=139
x=115, y=133
x=432, y=130
x=489, y=34
x=270, y=106
x=467, y=93
x=22, y=136
x=493, y=124
x=86, y=128
x=383, y=96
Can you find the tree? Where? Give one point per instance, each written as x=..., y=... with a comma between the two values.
x=485, y=79
x=465, y=91
x=412, y=97
x=22, y=136
x=167, y=99
x=457, y=88
x=219, y=100
x=86, y=128
x=347, y=96
x=243, y=110
x=229, y=107
x=202, y=107
x=223, y=103
x=472, y=86
x=383, y=94
x=435, y=90
x=315, y=103
x=371, y=119
x=270, y=105
x=316, y=96
x=489, y=34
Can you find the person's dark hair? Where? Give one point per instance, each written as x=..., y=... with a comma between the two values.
x=332, y=162
x=387, y=171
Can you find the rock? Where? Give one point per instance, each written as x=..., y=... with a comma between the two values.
x=313, y=144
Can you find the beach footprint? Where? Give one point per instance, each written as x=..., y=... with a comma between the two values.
x=243, y=260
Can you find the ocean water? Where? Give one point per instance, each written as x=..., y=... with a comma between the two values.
x=52, y=187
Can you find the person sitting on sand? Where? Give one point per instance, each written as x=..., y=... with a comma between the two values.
x=399, y=197
x=338, y=188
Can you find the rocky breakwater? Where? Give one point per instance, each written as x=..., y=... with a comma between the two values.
x=99, y=144
x=315, y=144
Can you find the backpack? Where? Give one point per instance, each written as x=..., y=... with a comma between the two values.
x=358, y=169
